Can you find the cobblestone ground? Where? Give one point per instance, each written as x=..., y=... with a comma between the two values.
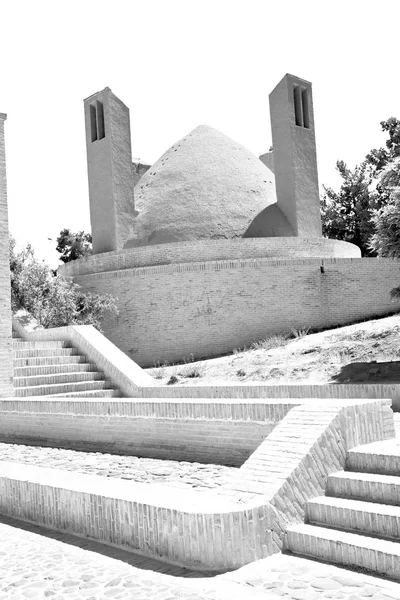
x=143, y=470
x=294, y=578
x=35, y=566
x=32, y=566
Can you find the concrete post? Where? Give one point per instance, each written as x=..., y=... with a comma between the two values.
x=109, y=157
x=6, y=356
x=294, y=155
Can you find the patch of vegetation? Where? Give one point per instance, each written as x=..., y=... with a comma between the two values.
x=172, y=380
x=237, y=351
x=275, y=341
x=54, y=301
x=159, y=371
x=190, y=369
x=297, y=334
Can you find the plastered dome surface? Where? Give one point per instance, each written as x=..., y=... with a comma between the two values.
x=205, y=186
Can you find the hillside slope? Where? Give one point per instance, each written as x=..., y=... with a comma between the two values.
x=364, y=352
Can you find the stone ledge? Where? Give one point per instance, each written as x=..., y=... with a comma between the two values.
x=299, y=394
x=211, y=250
x=202, y=530
x=206, y=431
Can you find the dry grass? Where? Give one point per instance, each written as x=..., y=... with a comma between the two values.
x=159, y=371
x=300, y=357
x=275, y=341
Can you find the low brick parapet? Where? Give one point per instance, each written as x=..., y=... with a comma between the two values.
x=242, y=521
x=223, y=431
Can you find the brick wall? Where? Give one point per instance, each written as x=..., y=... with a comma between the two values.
x=292, y=465
x=210, y=431
x=276, y=393
x=170, y=311
x=241, y=522
x=208, y=250
x=6, y=366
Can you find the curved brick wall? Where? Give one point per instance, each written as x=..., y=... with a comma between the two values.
x=208, y=250
x=170, y=311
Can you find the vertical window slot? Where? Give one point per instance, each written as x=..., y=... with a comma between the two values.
x=306, y=114
x=100, y=121
x=93, y=122
x=298, y=110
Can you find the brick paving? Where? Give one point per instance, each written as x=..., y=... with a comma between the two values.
x=183, y=474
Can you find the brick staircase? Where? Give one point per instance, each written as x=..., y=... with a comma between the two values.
x=357, y=522
x=56, y=369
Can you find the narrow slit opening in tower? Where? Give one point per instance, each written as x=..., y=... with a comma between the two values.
x=100, y=120
x=306, y=114
x=298, y=110
x=93, y=122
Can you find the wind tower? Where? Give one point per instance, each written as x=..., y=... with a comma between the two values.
x=109, y=157
x=294, y=155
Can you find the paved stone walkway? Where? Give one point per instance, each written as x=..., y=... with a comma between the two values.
x=32, y=566
x=35, y=563
x=203, y=477
x=294, y=578
x=55, y=566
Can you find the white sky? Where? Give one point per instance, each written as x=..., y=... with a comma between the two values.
x=178, y=64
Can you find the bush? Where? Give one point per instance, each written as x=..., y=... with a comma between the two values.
x=191, y=369
x=51, y=300
x=275, y=341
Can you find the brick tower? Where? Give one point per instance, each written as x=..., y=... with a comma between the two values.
x=294, y=155
x=109, y=156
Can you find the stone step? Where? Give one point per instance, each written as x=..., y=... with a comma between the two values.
x=56, y=378
x=22, y=345
x=49, y=360
x=379, y=457
x=380, y=520
x=108, y=393
x=383, y=489
x=343, y=548
x=61, y=388
x=30, y=371
x=39, y=352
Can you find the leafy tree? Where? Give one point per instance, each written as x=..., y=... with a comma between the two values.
x=378, y=158
x=386, y=239
x=51, y=300
x=353, y=213
x=73, y=245
x=347, y=214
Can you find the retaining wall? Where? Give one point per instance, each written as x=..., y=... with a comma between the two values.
x=210, y=431
x=301, y=393
x=218, y=530
x=168, y=312
x=210, y=250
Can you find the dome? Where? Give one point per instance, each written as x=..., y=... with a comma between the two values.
x=206, y=186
